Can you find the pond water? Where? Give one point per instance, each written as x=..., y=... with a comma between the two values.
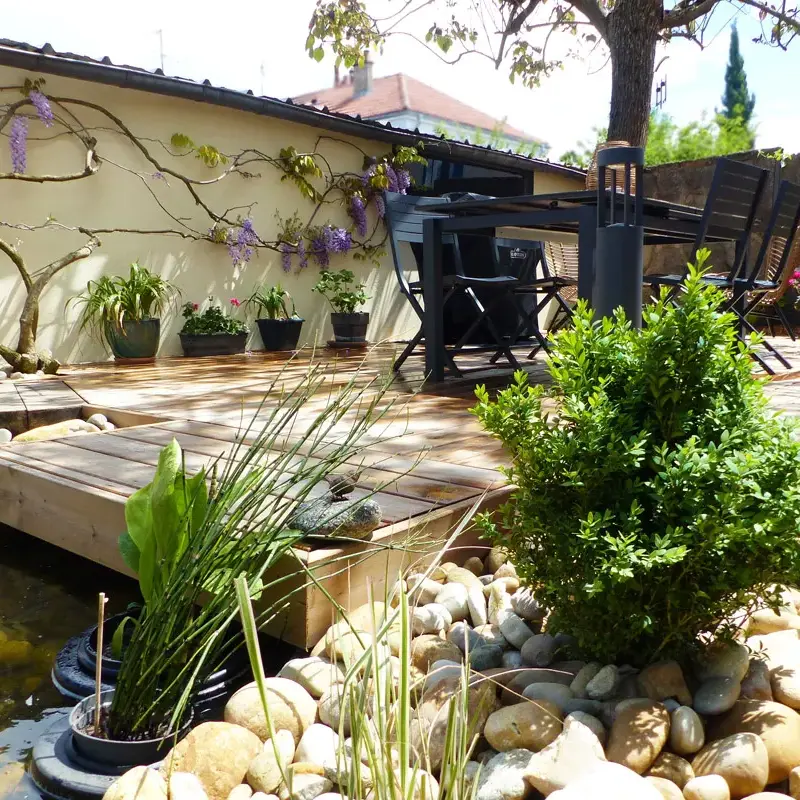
x=46, y=596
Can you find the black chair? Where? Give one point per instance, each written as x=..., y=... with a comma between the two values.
x=768, y=271
x=729, y=212
x=404, y=218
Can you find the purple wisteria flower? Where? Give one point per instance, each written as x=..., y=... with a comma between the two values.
x=394, y=186
x=18, y=142
x=240, y=248
x=403, y=180
x=42, y=106
x=338, y=240
x=159, y=176
x=380, y=206
x=320, y=251
x=358, y=211
x=301, y=252
x=286, y=256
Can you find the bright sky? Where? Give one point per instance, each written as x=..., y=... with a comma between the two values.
x=259, y=46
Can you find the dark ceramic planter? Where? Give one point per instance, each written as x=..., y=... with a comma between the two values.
x=213, y=344
x=111, y=752
x=350, y=327
x=134, y=340
x=280, y=334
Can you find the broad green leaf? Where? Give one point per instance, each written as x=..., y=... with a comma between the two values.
x=138, y=516
x=166, y=517
x=197, y=490
x=147, y=571
x=130, y=552
x=118, y=639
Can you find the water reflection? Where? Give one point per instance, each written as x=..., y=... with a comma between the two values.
x=46, y=596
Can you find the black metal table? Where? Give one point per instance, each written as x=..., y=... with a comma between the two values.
x=560, y=212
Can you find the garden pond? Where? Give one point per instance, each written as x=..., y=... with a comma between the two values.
x=46, y=596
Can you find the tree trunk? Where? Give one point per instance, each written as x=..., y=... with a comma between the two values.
x=633, y=28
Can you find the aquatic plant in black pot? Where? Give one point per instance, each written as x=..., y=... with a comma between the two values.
x=126, y=311
x=279, y=329
x=345, y=295
x=212, y=332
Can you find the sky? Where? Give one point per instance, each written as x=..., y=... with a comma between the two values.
x=260, y=46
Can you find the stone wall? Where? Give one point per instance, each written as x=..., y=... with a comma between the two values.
x=688, y=182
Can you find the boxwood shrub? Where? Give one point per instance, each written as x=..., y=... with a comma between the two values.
x=656, y=493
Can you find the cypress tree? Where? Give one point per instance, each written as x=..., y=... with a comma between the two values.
x=737, y=103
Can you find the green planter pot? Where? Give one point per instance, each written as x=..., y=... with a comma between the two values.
x=134, y=339
x=213, y=344
x=350, y=328
x=280, y=334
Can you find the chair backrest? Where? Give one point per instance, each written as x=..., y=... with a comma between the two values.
x=779, y=236
x=524, y=256
x=404, y=217
x=731, y=205
x=561, y=260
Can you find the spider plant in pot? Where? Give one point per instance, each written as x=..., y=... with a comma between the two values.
x=126, y=311
x=212, y=332
x=345, y=295
x=238, y=528
x=279, y=329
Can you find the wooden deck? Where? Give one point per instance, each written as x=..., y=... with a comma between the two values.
x=431, y=463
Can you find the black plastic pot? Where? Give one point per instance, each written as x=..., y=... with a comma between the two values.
x=213, y=344
x=134, y=339
x=350, y=327
x=280, y=334
x=112, y=752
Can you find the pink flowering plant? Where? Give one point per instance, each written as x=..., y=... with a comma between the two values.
x=212, y=320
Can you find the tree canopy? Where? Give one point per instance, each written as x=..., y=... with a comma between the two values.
x=518, y=35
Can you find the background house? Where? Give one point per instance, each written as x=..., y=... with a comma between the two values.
x=405, y=102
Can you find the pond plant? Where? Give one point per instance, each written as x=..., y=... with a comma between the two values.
x=662, y=496
x=187, y=544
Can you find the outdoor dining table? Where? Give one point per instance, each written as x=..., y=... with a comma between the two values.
x=559, y=213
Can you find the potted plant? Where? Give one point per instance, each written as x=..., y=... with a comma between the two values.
x=345, y=296
x=212, y=332
x=279, y=330
x=126, y=311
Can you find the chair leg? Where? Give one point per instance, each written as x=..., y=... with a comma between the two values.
x=773, y=350
x=483, y=315
x=409, y=349
x=785, y=321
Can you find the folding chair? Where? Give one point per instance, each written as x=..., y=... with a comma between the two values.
x=730, y=208
x=404, y=218
x=772, y=261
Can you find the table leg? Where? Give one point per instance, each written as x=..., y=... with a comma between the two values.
x=433, y=294
x=587, y=236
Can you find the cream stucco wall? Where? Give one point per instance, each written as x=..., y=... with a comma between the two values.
x=118, y=197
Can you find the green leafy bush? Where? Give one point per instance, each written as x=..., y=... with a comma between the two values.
x=341, y=290
x=212, y=320
x=662, y=496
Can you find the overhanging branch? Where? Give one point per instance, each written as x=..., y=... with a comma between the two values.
x=681, y=16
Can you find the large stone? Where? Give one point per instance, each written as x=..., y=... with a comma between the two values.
x=581, y=680
x=775, y=724
x=491, y=634
x=305, y=787
x=5, y=434
x=318, y=745
x=638, y=735
x=673, y=768
x=608, y=781
x=464, y=637
x=329, y=517
x=474, y=565
x=218, y=753
x=604, y=684
x=765, y=620
x=591, y=722
x=707, y=787
x=316, y=675
x=431, y=618
x=347, y=646
x=453, y=596
x=429, y=724
x=495, y=559
x=422, y=590
x=516, y=681
x=515, y=629
x=485, y=657
x=527, y=606
x=781, y=649
x=464, y=577
x=241, y=792
x=139, y=783
x=511, y=659
x=334, y=709
x=429, y=648
x=60, y=429
x=574, y=752
x=785, y=684
x=539, y=650
x=530, y=725
x=686, y=733
x=741, y=759
x=267, y=769
x=499, y=604
x=757, y=682
x=668, y=790
x=503, y=776
x=290, y=707
x=555, y=693
x=185, y=786
x=476, y=603
x=665, y=679
x=716, y=696
x=723, y=660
